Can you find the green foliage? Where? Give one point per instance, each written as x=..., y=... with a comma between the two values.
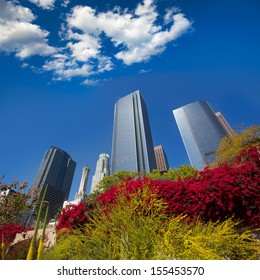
x=68, y=247
x=114, y=180
x=183, y=172
x=210, y=241
x=127, y=230
x=231, y=147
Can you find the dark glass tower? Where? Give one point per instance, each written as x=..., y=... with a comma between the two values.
x=56, y=170
x=132, y=147
x=201, y=132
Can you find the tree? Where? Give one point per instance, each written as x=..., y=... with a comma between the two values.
x=230, y=147
x=114, y=180
x=183, y=172
x=15, y=201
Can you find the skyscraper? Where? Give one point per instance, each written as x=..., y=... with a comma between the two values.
x=201, y=132
x=83, y=184
x=132, y=145
x=161, y=159
x=225, y=124
x=56, y=170
x=102, y=170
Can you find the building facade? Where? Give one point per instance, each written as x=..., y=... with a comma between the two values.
x=55, y=171
x=132, y=145
x=102, y=170
x=225, y=124
x=201, y=132
x=83, y=184
x=161, y=159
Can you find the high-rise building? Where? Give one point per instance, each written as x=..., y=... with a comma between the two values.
x=132, y=145
x=225, y=124
x=201, y=132
x=56, y=170
x=161, y=159
x=83, y=184
x=102, y=170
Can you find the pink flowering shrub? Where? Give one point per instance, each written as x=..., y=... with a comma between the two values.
x=9, y=232
x=73, y=216
x=216, y=194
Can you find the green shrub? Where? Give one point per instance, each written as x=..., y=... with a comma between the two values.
x=206, y=241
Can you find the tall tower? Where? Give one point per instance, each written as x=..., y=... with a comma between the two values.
x=225, y=124
x=56, y=170
x=132, y=145
x=102, y=170
x=83, y=184
x=161, y=159
x=201, y=132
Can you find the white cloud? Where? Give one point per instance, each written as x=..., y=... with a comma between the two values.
x=144, y=71
x=135, y=36
x=170, y=13
x=45, y=4
x=19, y=35
x=156, y=42
x=11, y=12
x=136, y=32
x=65, y=3
x=87, y=47
x=89, y=82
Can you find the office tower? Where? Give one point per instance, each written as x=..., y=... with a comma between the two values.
x=102, y=170
x=161, y=159
x=132, y=145
x=201, y=132
x=225, y=124
x=83, y=184
x=56, y=170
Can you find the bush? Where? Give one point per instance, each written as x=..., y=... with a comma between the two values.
x=206, y=241
x=70, y=246
x=135, y=227
x=74, y=216
x=8, y=232
x=215, y=194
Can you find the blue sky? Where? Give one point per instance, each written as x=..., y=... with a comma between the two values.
x=64, y=64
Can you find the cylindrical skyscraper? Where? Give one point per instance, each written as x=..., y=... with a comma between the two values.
x=102, y=170
x=83, y=184
x=201, y=132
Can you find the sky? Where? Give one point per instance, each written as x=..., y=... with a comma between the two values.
x=65, y=63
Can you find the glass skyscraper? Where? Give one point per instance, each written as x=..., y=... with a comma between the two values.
x=132, y=147
x=56, y=170
x=201, y=132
